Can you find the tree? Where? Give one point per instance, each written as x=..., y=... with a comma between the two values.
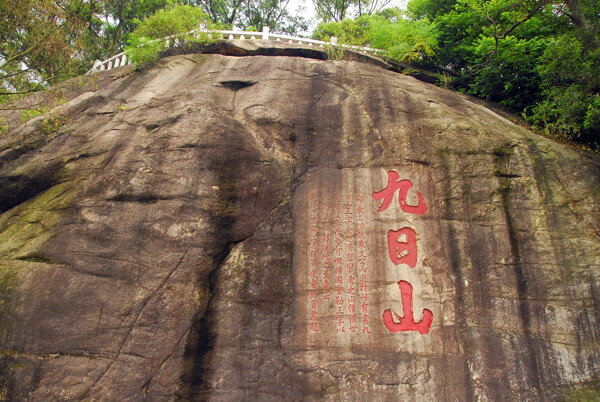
x=403, y=40
x=511, y=52
x=254, y=14
x=338, y=10
x=165, y=29
x=40, y=42
x=332, y=10
x=118, y=20
x=571, y=91
x=428, y=9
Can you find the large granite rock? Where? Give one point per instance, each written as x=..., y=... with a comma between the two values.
x=247, y=228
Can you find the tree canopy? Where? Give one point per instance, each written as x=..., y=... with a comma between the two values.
x=540, y=58
x=40, y=41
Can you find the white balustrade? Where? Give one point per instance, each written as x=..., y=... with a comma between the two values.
x=121, y=59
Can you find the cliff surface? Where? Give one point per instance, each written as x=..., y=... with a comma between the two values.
x=215, y=227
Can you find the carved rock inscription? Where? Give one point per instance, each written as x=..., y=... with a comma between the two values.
x=368, y=271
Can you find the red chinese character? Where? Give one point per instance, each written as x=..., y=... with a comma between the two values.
x=403, y=252
x=394, y=323
x=387, y=194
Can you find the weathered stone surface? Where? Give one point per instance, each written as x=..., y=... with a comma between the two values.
x=158, y=244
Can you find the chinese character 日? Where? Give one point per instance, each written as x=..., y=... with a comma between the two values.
x=394, y=184
x=395, y=323
x=403, y=252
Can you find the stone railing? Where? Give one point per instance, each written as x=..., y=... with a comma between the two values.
x=121, y=59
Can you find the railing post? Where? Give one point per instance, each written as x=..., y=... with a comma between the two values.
x=265, y=33
x=333, y=40
x=97, y=64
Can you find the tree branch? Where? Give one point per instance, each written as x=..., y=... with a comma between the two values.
x=26, y=51
x=15, y=73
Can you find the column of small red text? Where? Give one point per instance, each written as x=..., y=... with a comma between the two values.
x=363, y=286
x=313, y=253
x=337, y=276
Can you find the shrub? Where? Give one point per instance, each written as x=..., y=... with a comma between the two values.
x=165, y=29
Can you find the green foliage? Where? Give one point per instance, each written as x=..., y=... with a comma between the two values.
x=334, y=52
x=113, y=20
x=537, y=57
x=403, y=39
x=165, y=29
x=252, y=15
x=54, y=122
x=46, y=41
x=332, y=10
x=28, y=114
x=39, y=43
x=571, y=105
x=173, y=20
x=509, y=78
x=350, y=32
x=428, y=9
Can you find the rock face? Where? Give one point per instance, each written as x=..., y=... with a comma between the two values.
x=262, y=228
